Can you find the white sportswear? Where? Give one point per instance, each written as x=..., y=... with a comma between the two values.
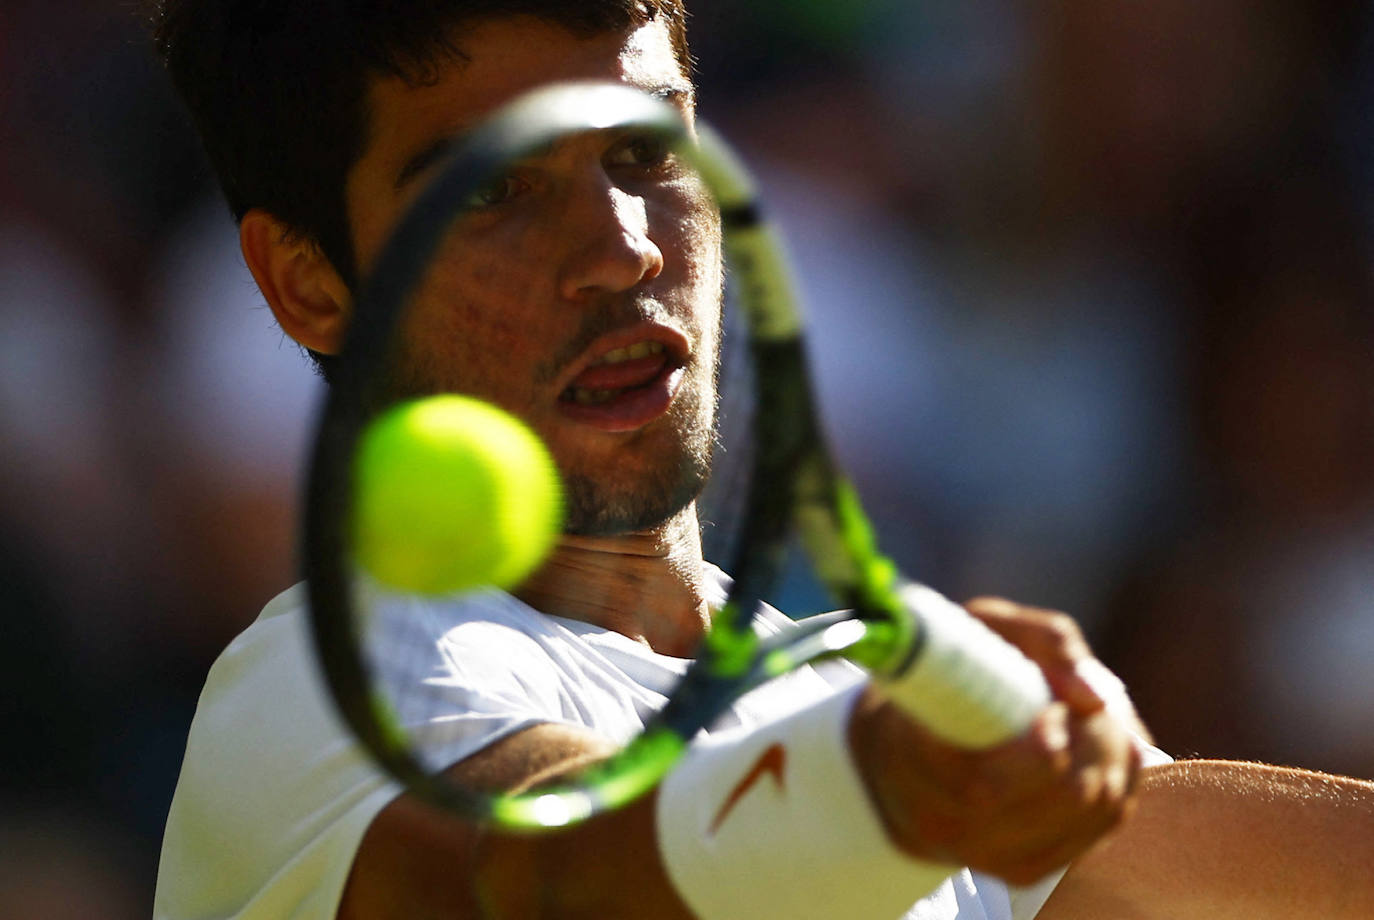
x=275, y=794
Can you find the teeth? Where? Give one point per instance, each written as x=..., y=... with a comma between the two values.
x=615, y=356
x=629, y=353
x=586, y=397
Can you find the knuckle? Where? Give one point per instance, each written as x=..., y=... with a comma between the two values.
x=990, y=606
x=1063, y=628
x=1115, y=815
x=1083, y=792
x=1123, y=782
x=991, y=602
x=1108, y=811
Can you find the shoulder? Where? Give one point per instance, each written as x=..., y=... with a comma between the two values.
x=484, y=644
x=267, y=677
x=482, y=628
x=273, y=795
x=268, y=688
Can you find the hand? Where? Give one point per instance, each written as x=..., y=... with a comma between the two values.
x=1021, y=810
x=1053, y=641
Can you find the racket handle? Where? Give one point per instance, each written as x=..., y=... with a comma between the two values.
x=965, y=683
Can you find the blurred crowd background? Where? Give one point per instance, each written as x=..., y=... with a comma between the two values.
x=1094, y=318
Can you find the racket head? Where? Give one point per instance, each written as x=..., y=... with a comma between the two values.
x=792, y=481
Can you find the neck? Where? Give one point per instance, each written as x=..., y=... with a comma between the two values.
x=648, y=586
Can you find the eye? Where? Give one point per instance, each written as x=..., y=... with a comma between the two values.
x=494, y=192
x=640, y=150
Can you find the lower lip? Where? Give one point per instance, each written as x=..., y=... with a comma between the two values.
x=630, y=410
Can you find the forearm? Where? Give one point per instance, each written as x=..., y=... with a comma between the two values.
x=609, y=867
x=419, y=862
x=727, y=829
x=1062, y=785
x=1219, y=840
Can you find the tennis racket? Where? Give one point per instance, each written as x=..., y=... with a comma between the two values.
x=976, y=690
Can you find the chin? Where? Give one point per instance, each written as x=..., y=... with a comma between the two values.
x=610, y=503
x=595, y=510
x=643, y=492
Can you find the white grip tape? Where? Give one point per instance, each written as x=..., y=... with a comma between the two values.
x=967, y=684
x=774, y=822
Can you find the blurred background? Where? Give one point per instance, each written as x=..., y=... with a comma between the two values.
x=1093, y=311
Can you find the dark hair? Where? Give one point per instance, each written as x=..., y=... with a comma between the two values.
x=277, y=88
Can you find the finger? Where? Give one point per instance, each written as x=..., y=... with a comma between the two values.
x=1077, y=833
x=1034, y=865
x=1044, y=635
x=1032, y=841
x=1026, y=767
x=1110, y=688
x=1039, y=832
x=1051, y=639
x=1036, y=837
x=941, y=798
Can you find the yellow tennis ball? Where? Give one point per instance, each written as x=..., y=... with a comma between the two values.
x=452, y=493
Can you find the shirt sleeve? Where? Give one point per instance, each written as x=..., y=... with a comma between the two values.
x=460, y=678
x=275, y=793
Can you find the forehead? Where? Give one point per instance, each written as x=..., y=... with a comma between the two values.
x=502, y=58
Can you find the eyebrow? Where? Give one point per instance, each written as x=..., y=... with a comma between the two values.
x=679, y=94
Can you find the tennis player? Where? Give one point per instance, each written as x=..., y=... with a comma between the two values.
x=581, y=292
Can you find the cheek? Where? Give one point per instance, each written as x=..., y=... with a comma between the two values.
x=695, y=234
x=472, y=320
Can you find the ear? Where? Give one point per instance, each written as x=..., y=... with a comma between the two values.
x=306, y=294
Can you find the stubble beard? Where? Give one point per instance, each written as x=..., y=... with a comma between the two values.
x=601, y=506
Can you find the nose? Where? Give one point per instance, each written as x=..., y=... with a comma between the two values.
x=611, y=249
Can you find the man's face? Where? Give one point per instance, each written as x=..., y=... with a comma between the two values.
x=582, y=290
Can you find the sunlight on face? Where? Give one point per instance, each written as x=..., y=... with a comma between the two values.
x=581, y=289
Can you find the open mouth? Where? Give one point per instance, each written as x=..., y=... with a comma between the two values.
x=616, y=371
x=625, y=388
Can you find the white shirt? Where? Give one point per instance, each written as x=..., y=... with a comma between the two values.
x=275, y=794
